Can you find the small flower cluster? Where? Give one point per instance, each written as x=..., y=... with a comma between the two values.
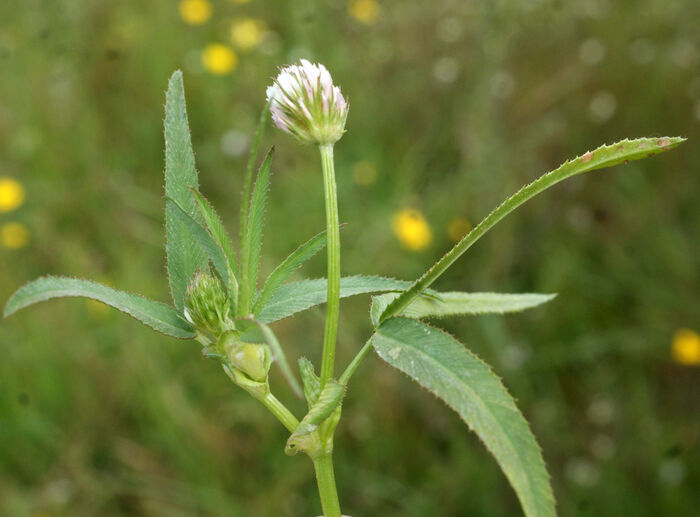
x=208, y=308
x=305, y=103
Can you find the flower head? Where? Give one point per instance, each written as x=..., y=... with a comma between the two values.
x=685, y=347
x=412, y=229
x=305, y=103
x=206, y=304
x=11, y=194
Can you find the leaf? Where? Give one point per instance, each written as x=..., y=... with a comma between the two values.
x=328, y=401
x=245, y=197
x=280, y=357
x=604, y=156
x=216, y=228
x=311, y=381
x=287, y=267
x=156, y=315
x=453, y=303
x=442, y=365
x=184, y=259
x=218, y=232
x=299, y=296
x=205, y=240
x=253, y=239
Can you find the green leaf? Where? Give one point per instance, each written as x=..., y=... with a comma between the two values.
x=216, y=228
x=253, y=239
x=299, y=296
x=454, y=303
x=279, y=357
x=218, y=232
x=328, y=401
x=184, y=259
x=604, y=156
x=442, y=365
x=287, y=267
x=247, y=183
x=156, y=315
x=205, y=240
x=310, y=381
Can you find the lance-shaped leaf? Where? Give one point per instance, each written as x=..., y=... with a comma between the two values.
x=156, y=315
x=328, y=401
x=287, y=267
x=216, y=228
x=203, y=238
x=184, y=259
x=444, y=366
x=311, y=381
x=602, y=157
x=454, y=303
x=299, y=296
x=252, y=240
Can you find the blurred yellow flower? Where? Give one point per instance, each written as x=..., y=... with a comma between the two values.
x=14, y=235
x=685, y=347
x=365, y=11
x=195, y=12
x=364, y=173
x=247, y=33
x=11, y=194
x=458, y=228
x=412, y=230
x=219, y=59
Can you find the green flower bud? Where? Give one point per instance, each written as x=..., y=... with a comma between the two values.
x=252, y=359
x=207, y=305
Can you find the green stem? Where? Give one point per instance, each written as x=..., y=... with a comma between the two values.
x=325, y=477
x=604, y=156
x=280, y=411
x=345, y=377
x=333, y=235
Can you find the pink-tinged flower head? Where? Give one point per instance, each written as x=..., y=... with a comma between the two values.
x=305, y=103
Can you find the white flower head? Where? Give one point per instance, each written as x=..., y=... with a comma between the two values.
x=305, y=103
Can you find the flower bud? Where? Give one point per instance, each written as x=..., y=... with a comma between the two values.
x=206, y=304
x=305, y=103
x=252, y=359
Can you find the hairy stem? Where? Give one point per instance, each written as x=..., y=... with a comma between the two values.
x=325, y=477
x=333, y=234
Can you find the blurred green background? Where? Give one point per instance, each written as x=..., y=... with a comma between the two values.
x=454, y=105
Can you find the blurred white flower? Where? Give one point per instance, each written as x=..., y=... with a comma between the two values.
x=446, y=70
x=602, y=106
x=305, y=103
x=592, y=51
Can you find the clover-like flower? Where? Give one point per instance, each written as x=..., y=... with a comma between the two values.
x=206, y=304
x=305, y=103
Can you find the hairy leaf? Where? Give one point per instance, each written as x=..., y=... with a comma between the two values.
x=439, y=363
x=328, y=401
x=253, y=238
x=287, y=267
x=453, y=303
x=299, y=296
x=216, y=229
x=205, y=240
x=184, y=259
x=604, y=156
x=311, y=381
x=156, y=315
